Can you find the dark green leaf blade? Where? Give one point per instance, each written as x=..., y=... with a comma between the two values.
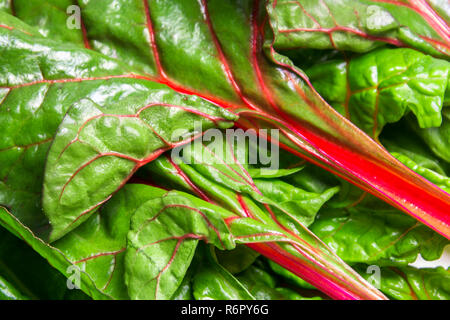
x=213, y=282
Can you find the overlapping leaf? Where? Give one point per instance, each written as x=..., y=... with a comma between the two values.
x=212, y=282
x=361, y=25
x=38, y=89
x=9, y=291
x=164, y=234
x=98, y=148
x=408, y=283
x=210, y=57
x=264, y=286
x=26, y=275
x=252, y=78
x=381, y=86
x=54, y=256
x=372, y=233
x=437, y=138
x=442, y=181
x=98, y=246
x=216, y=180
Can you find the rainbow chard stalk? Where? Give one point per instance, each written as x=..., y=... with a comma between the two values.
x=266, y=91
x=96, y=110
x=214, y=173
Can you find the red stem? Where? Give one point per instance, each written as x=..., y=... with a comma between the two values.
x=334, y=290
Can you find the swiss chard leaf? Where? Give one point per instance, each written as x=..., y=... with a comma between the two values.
x=289, y=276
x=438, y=138
x=236, y=260
x=442, y=181
x=211, y=281
x=35, y=101
x=98, y=148
x=230, y=185
x=164, y=234
x=260, y=85
x=400, y=138
x=370, y=232
x=5, y=5
x=98, y=246
x=405, y=143
x=23, y=272
x=184, y=291
x=360, y=25
x=231, y=169
x=9, y=291
x=381, y=86
x=36, y=91
x=162, y=242
x=408, y=283
x=250, y=79
x=54, y=256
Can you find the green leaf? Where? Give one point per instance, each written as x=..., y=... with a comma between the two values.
x=33, y=103
x=164, y=234
x=35, y=98
x=104, y=247
x=405, y=144
x=200, y=53
x=52, y=15
x=184, y=291
x=408, y=283
x=162, y=240
x=374, y=233
x=442, y=181
x=213, y=282
x=380, y=87
x=98, y=246
x=5, y=5
x=236, y=260
x=23, y=269
x=9, y=292
x=53, y=255
x=217, y=180
x=98, y=148
x=358, y=25
x=289, y=276
x=438, y=138
x=236, y=66
x=299, y=203
x=225, y=165
x=402, y=139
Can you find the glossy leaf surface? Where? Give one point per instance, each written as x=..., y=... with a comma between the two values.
x=256, y=82
x=229, y=184
x=381, y=86
x=408, y=283
x=361, y=25
x=196, y=54
x=34, y=102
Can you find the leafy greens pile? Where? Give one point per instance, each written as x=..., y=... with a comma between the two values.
x=91, y=197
